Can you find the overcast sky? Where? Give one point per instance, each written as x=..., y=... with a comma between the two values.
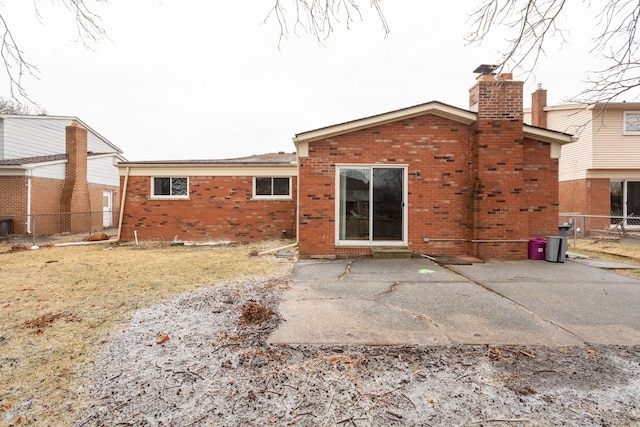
x=196, y=79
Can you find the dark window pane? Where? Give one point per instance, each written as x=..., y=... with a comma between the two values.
x=179, y=186
x=354, y=204
x=263, y=186
x=633, y=202
x=616, y=201
x=280, y=186
x=161, y=186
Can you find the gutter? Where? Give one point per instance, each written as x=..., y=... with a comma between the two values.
x=29, y=176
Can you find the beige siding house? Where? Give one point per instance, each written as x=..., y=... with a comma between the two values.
x=599, y=174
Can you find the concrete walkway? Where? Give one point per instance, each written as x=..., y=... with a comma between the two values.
x=414, y=301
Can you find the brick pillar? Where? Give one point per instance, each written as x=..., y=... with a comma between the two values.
x=498, y=207
x=538, y=102
x=75, y=202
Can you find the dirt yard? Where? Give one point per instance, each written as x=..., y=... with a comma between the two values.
x=177, y=336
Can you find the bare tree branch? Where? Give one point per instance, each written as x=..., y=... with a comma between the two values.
x=531, y=22
x=17, y=67
x=15, y=64
x=10, y=106
x=535, y=22
x=318, y=17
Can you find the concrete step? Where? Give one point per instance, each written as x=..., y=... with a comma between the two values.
x=391, y=252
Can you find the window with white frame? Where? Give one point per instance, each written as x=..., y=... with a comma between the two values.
x=632, y=123
x=170, y=187
x=271, y=187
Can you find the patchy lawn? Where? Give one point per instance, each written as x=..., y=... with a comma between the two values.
x=627, y=253
x=132, y=335
x=60, y=305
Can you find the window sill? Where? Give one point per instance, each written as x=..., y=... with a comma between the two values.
x=169, y=198
x=273, y=198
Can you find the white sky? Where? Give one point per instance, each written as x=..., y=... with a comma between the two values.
x=197, y=79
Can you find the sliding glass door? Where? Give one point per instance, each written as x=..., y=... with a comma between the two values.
x=371, y=204
x=625, y=202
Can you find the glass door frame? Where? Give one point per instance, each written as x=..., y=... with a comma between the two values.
x=623, y=216
x=405, y=210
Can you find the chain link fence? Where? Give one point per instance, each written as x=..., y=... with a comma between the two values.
x=620, y=229
x=40, y=226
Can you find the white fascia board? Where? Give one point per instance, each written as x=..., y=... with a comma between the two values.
x=435, y=108
x=33, y=165
x=545, y=135
x=208, y=170
x=556, y=139
x=117, y=156
x=620, y=174
x=13, y=171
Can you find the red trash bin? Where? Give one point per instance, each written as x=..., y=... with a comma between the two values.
x=537, y=247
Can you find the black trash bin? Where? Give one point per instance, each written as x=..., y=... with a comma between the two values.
x=6, y=227
x=563, y=230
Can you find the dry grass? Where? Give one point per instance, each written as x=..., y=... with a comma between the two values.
x=627, y=253
x=59, y=305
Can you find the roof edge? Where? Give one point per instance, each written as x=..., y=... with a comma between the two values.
x=433, y=107
x=72, y=118
x=547, y=135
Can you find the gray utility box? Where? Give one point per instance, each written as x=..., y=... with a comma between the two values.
x=556, y=250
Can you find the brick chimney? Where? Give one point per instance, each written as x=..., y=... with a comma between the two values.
x=538, y=102
x=75, y=201
x=498, y=206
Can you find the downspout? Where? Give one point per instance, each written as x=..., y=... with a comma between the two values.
x=124, y=196
x=297, y=197
x=29, y=176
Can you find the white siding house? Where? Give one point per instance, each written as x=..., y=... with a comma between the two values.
x=40, y=176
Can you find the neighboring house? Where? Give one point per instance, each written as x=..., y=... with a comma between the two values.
x=600, y=173
x=431, y=179
x=56, y=175
x=243, y=199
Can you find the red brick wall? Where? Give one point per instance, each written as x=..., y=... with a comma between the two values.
x=45, y=204
x=95, y=196
x=586, y=196
x=541, y=185
x=435, y=146
x=538, y=102
x=219, y=208
x=483, y=182
x=75, y=194
x=13, y=204
x=48, y=218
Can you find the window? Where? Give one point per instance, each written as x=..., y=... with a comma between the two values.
x=170, y=187
x=272, y=187
x=632, y=123
x=370, y=206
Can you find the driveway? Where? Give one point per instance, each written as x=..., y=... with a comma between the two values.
x=415, y=301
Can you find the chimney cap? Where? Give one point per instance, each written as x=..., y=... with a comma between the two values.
x=485, y=69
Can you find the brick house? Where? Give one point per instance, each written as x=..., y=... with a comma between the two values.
x=599, y=174
x=56, y=175
x=242, y=199
x=431, y=178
